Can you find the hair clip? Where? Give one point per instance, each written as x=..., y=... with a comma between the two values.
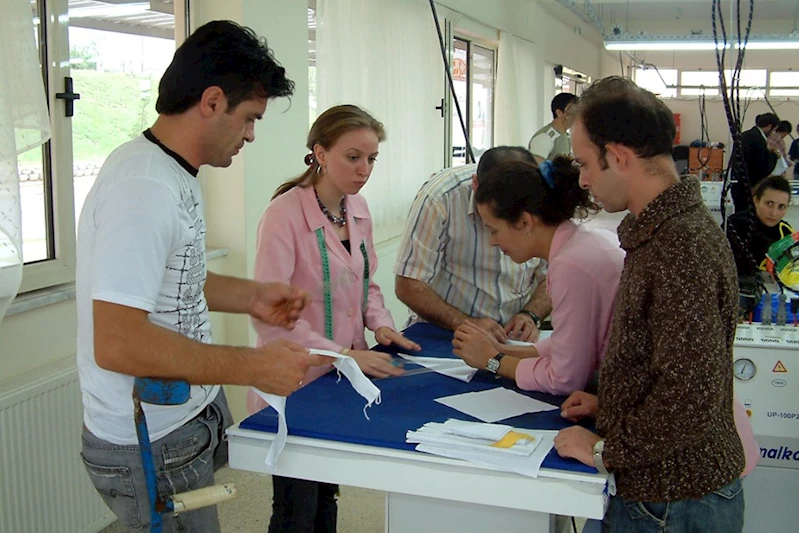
x=546, y=167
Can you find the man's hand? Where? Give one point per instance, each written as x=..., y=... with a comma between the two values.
x=522, y=328
x=491, y=327
x=385, y=336
x=375, y=364
x=281, y=366
x=578, y=443
x=474, y=345
x=579, y=405
x=277, y=304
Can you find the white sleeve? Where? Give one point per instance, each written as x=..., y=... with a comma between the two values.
x=541, y=145
x=137, y=226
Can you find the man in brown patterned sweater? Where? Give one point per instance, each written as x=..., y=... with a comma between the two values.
x=664, y=412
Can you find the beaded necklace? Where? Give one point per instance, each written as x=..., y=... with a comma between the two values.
x=340, y=221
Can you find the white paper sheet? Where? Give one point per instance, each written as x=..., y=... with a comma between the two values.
x=454, y=368
x=495, y=404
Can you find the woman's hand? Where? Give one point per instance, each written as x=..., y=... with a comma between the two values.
x=474, y=345
x=375, y=364
x=385, y=336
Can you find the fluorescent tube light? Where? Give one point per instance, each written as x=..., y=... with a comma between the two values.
x=771, y=45
x=663, y=45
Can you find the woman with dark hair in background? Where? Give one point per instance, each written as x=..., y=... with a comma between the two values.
x=529, y=211
x=759, y=229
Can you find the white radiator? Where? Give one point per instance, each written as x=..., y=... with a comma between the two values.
x=44, y=487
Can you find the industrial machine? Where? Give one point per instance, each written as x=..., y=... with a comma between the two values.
x=766, y=369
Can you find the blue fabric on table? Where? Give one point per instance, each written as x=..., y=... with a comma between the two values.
x=331, y=410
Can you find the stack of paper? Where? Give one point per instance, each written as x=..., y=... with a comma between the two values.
x=499, y=446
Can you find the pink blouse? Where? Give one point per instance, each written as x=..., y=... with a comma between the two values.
x=584, y=271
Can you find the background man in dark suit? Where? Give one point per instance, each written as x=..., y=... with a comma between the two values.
x=759, y=161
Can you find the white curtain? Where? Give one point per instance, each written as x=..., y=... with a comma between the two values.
x=383, y=55
x=24, y=125
x=519, y=91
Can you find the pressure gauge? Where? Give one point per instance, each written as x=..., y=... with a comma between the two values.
x=744, y=369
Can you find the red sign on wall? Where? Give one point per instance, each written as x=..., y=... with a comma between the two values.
x=459, y=69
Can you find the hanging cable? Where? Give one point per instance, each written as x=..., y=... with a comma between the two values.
x=448, y=70
x=732, y=107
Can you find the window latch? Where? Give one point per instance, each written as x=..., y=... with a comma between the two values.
x=69, y=96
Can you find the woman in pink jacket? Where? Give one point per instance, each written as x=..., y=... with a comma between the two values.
x=316, y=234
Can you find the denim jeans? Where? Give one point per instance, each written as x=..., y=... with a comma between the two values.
x=301, y=506
x=186, y=459
x=719, y=511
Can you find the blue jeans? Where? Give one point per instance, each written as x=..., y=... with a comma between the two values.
x=720, y=511
x=186, y=459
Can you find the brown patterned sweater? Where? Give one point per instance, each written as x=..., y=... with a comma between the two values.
x=666, y=385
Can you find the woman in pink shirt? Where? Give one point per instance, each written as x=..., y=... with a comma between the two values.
x=316, y=234
x=530, y=211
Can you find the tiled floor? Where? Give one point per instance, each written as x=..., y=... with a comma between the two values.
x=360, y=510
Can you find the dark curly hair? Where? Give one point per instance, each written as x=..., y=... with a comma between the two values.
x=514, y=187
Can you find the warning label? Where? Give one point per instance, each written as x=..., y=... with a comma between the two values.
x=779, y=367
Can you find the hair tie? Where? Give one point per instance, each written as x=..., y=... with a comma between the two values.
x=310, y=159
x=546, y=167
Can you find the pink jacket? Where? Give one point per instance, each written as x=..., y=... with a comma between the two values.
x=287, y=251
x=583, y=278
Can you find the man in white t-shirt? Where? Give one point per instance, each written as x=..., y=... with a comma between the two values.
x=144, y=294
x=553, y=139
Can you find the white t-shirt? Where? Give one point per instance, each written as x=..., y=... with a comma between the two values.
x=141, y=243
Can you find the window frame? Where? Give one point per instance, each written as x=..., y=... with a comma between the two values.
x=57, y=156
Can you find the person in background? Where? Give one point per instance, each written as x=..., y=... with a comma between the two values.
x=664, y=411
x=776, y=143
x=553, y=139
x=317, y=235
x=751, y=233
x=144, y=294
x=530, y=211
x=447, y=271
x=793, y=155
x=758, y=158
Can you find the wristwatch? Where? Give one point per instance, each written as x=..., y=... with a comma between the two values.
x=535, y=317
x=493, y=364
x=599, y=463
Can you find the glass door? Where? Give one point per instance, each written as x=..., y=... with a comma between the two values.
x=473, y=74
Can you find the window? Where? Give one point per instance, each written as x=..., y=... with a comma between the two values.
x=784, y=83
x=473, y=73
x=657, y=81
x=571, y=81
x=113, y=54
x=698, y=82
